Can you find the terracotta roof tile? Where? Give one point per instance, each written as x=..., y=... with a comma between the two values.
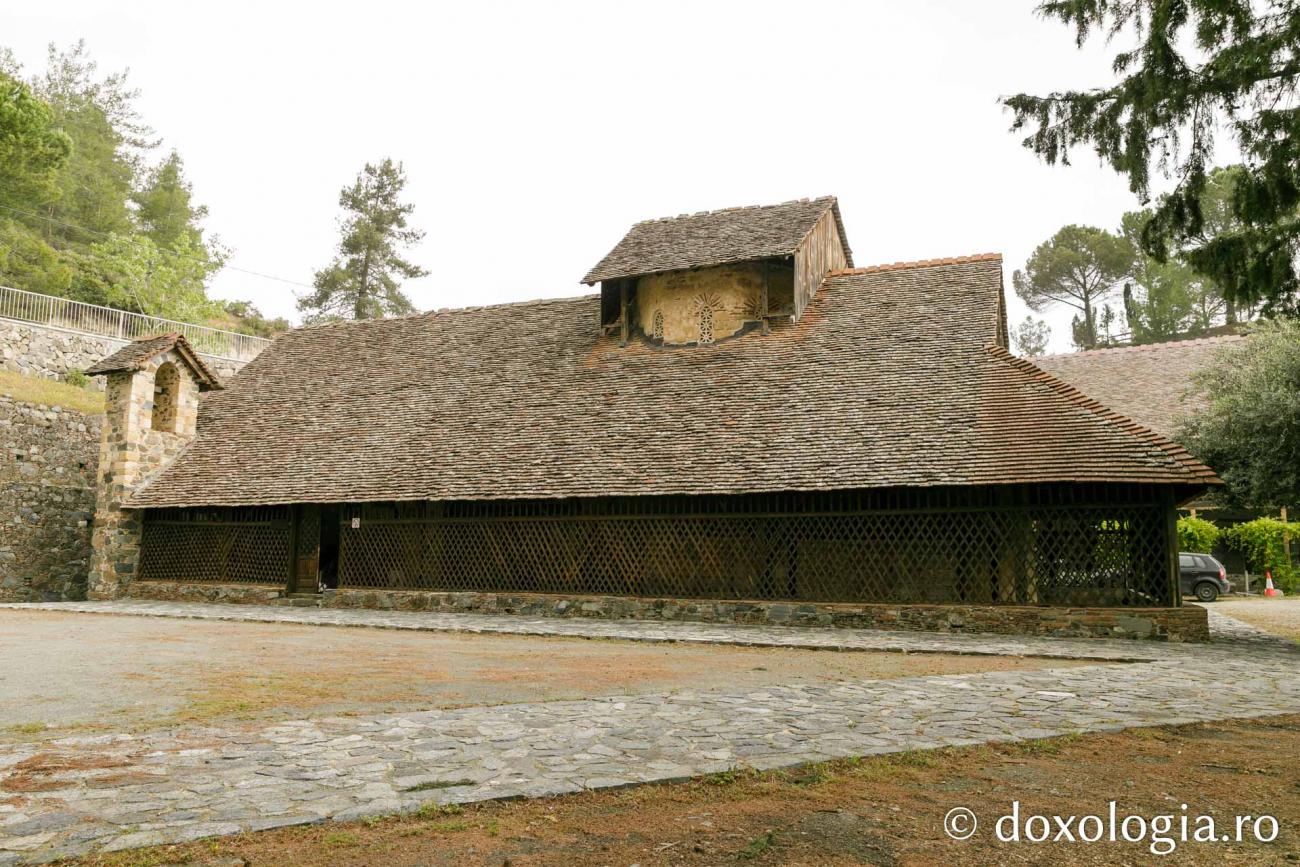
x=888, y=380
x=1150, y=383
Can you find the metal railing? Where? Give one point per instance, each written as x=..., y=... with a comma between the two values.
x=53, y=312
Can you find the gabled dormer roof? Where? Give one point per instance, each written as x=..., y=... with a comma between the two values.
x=136, y=354
x=716, y=238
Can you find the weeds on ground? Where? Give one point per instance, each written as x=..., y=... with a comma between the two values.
x=26, y=728
x=1048, y=746
x=758, y=846
x=434, y=810
x=730, y=776
x=340, y=838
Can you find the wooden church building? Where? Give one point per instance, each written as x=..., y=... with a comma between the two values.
x=739, y=424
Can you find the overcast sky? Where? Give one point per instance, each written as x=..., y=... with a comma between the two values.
x=534, y=134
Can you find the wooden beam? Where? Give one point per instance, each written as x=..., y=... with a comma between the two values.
x=623, y=313
x=763, y=297
x=295, y=522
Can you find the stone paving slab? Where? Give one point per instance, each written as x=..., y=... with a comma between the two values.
x=632, y=630
x=176, y=785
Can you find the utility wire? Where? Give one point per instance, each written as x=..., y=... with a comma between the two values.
x=161, y=249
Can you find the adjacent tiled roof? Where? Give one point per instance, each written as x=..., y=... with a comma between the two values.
x=1151, y=384
x=134, y=355
x=888, y=379
x=715, y=238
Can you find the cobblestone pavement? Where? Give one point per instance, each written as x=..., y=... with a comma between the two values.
x=110, y=792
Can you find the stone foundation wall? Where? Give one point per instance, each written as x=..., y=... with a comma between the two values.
x=39, y=350
x=1190, y=623
x=47, y=498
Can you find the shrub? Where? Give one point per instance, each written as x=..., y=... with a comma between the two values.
x=77, y=378
x=1196, y=535
x=1261, y=542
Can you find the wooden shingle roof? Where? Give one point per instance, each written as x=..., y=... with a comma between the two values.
x=890, y=378
x=715, y=238
x=134, y=355
x=1151, y=384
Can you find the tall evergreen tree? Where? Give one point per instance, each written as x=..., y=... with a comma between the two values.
x=1198, y=66
x=1079, y=266
x=32, y=149
x=364, y=280
x=1030, y=337
x=164, y=203
x=108, y=143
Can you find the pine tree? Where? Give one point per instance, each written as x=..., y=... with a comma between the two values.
x=165, y=209
x=1199, y=66
x=1079, y=266
x=363, y=280
x=1030, y=337
x=108, y=144
x=32, y=149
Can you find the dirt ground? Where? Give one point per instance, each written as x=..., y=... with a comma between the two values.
x=88, y=672
x=1281, y=616
x=887, y=810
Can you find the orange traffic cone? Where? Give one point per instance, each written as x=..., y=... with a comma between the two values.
x=1269, y=589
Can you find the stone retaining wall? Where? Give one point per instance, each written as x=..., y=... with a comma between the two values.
x=1188, y=623
x=47, y=497
x=40, y=350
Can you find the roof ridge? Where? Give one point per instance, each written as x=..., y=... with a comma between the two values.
x=527, y=302
x=919, y=263
x=1150, y=347
x=734, y=209
x=1072, y=394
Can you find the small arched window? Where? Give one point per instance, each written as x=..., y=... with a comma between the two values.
x=166, y=398
x=706, y=324
x=658, y=325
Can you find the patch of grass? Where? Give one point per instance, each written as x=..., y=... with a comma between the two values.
x=50, y=392
x=26, y=728
x=340, y=838
x=1047, y=746
x=434, y=810
x=912, y=758
x=439, y=784
x=729, y=777
x=758, y=846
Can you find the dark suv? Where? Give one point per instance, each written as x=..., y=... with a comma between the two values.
x=1202, y=576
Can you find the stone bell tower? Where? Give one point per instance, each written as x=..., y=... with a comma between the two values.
x=151, y=408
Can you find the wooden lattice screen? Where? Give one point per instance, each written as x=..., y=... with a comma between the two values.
x=1060, y=546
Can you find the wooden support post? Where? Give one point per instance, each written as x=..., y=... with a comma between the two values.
x=763, y=299
x=623, y=312
x=1286, y=539
x=295, y=523
x=1171, y=543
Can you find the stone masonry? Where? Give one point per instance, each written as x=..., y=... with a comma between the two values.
x=47, y=496
x=131, y=452
x=41, y=350
x=1161, y=624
